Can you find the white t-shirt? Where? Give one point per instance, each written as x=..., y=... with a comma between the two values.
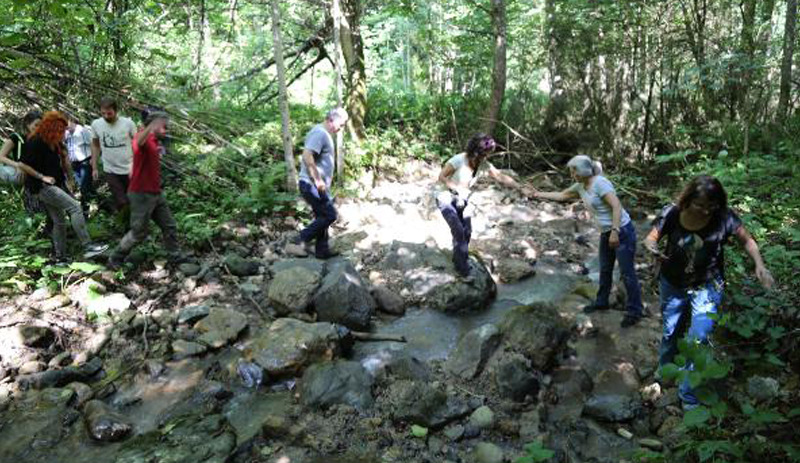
x=463, y=175
x=115, y=144
x=593, y=200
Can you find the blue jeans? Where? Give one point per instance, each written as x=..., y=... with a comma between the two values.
x=625, y=253
x=324, y=215
x=83, y=178
x=687, y=311
x=460, y=227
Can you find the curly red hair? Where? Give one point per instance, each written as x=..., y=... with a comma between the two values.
x=51, y=130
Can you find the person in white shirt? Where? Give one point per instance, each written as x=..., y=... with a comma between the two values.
x=78, y=139
x=112, y=138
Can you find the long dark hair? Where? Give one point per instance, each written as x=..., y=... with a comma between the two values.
x=477, y=147
x=26, y=120
x=708, y=187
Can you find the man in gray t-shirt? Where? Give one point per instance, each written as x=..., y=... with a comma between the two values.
x=316, y=174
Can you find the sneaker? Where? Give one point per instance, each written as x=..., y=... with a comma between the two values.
x=94, y=249
x=115, y=262
x=629, y=320
x=594, y=308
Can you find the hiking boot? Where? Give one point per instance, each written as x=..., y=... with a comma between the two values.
x=594, y=307
x=115, y=262
x=629, y=320
x=94, y=249
x=327, y=255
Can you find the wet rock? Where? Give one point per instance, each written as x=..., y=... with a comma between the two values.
x=404, y=366
x=428, y=276
x=571, y=385
x=340, y=382
x=344, y=297
x=105, y=424
x=473, y=350
x=193, y=313
x=189, y=269
x=388, y=301
x=31, y=367
x=182, y=349
x=240, y=266
x=622, y=380
x=60, y=360
x=454, y=432
x=482, y=418
x=36, y=336
x=220, y=327
x=182, y=441
x=586, y=290
x=293, y=286
x=83, y=393
x=612, y=407
x=514, y=378
x=536, y=331
x=511, y=270
x=486, y=452
x=424, y=404
x=584, y=441
x=762, y=389
x=256, y=414
x=154, y=368
x=58, y=378
x=289, y=345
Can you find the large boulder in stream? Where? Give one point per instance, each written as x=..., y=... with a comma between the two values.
x=473, y=350
x=294, y=284
x=290, y=345
x=344, y=297
x=426, y=277
x=422, y=403
x=536, y=331
x=58, y=378
x=340, y=382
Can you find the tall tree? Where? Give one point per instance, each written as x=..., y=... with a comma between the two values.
x=789, y=37
x=499, y=26
x=353, y=53
x=336, y=13
x=288, y=152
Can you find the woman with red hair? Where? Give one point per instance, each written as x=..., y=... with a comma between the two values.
x=45, y=162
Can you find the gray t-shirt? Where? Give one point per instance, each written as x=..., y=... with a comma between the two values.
x=593, y=199
x=319, y=142
x=115, y=139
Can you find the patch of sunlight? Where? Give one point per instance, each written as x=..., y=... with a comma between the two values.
x=545, y=216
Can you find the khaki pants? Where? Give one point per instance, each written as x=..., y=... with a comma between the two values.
x=146, y=206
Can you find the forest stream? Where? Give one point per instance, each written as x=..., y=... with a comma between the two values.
x=228, y=359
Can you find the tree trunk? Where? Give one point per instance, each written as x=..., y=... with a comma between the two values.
x=288, y=152
x=789, y=36
x=353, y=51
x=336, y=13
x=499, y=71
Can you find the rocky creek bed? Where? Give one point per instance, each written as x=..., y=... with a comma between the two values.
x=255, y=354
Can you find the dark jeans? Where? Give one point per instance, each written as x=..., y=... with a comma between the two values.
x=460, y=227
x=687, y=311
x=83, y=177
x=118, y=184
x=324, y=215
x=146, y=206
x=626, y=255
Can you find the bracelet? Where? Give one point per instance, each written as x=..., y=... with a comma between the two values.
x=615, y=229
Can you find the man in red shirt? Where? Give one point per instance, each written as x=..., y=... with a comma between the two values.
x=144, y=191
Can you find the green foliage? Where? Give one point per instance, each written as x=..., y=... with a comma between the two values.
x=535, y=452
